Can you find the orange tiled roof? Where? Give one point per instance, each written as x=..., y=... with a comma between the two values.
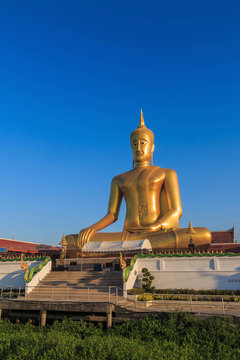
x=22, y=246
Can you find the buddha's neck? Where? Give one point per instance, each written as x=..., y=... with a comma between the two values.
x=141, y=164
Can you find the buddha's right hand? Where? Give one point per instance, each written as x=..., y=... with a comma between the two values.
x=85, y=235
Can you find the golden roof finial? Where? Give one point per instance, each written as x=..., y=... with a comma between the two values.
x=63, y=242
x=190, y=229
x=141, y=121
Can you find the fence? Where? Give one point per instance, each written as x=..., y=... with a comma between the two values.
x=113, y=294
x=62, y=293
x=222, y=306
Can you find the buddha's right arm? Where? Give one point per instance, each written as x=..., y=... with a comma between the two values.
x=112, y=215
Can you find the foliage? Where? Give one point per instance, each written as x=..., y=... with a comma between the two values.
x=8, y=259
x=150, y=297
x=176, y=336
x=137, y=291
x=147, y=281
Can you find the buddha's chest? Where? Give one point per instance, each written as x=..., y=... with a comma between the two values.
x=142, y=185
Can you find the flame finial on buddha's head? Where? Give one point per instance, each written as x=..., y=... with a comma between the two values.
x=142, y=129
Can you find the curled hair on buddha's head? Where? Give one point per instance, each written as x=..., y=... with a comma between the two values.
x=142, y=129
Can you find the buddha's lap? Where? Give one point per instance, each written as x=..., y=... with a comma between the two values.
x=161, y=239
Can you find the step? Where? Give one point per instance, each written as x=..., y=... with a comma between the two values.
x=64, y=289
x=84, y=276
x=80, y=283
x=78, y=286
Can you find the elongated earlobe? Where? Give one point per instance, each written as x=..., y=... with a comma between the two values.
x=151, y=159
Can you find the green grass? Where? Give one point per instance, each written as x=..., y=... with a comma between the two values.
x=177, y=336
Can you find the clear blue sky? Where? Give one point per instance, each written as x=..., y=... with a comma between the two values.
x=73, y=77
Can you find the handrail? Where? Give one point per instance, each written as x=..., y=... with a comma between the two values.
x=206, y=307
x=29, y=273
x=51, y=293
x=114, y=296
x=102, y=290
x=190, y=296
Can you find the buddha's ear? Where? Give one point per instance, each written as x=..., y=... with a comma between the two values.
x=151, y=159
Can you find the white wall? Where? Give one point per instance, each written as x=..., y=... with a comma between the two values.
x=193, y=273
x=11, y=273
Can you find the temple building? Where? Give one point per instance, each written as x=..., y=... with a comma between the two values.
x=225, y=236
x=225, y=241
x=12, y=248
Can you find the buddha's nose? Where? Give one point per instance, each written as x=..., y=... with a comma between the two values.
x=139, y=146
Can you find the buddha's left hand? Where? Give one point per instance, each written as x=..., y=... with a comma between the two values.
x=85, y=235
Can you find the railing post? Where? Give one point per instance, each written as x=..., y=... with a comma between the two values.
x=11, y=293
x=19, y=292
x=191, y=302
x=43, y=317
x=109, y=293
x=223, y=310
x=88, y=294
x=109, y=317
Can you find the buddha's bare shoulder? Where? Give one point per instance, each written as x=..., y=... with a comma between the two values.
x=123, y=176
x=168, y=172
x=161, y=170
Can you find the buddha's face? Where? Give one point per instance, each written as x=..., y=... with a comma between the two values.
x=142, y=147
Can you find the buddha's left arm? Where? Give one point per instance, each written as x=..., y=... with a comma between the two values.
x=171, y=218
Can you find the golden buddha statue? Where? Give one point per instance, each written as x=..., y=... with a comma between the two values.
x=153, y=202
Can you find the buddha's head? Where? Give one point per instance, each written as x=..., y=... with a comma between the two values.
x=142, y=143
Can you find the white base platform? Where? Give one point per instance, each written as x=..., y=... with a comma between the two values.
x=203, y=273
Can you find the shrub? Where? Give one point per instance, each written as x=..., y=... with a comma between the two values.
x=147, y=280
x=145, y=297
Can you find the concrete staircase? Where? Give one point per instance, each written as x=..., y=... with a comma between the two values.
x=79, y=286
